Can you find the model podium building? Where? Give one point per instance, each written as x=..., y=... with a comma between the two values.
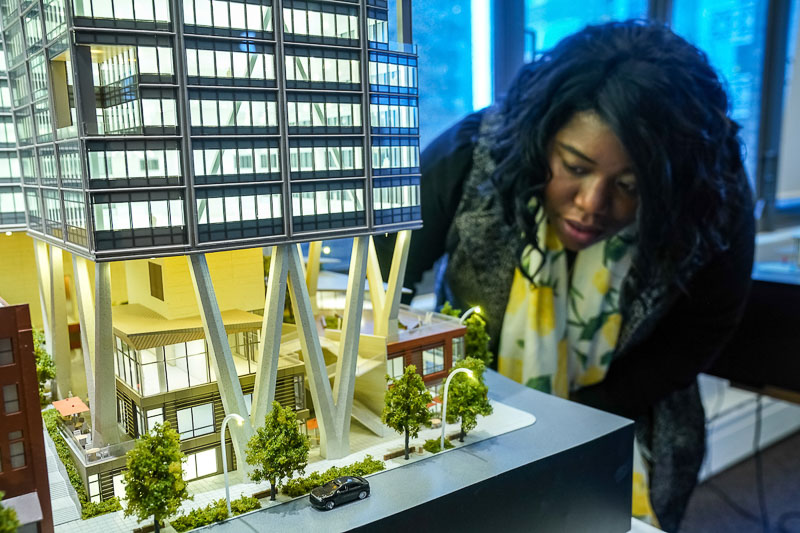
x=152, y=149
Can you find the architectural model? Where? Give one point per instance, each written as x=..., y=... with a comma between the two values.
x=156, y=151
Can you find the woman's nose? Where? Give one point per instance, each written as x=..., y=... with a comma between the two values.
x=593, y=196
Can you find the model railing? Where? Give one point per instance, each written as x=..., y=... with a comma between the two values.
x=82, y=446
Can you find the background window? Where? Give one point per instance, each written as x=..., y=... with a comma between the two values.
x=196, y=421
x=6, y=352
x=11, y=398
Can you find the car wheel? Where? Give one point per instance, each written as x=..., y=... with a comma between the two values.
x=362, y=495
x=329, y=505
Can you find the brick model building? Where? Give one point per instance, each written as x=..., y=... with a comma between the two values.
x=23, y=466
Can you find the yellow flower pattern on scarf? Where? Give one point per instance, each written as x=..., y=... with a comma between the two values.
x=559, y=333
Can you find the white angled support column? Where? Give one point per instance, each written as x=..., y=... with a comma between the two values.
x=230, y=389
x=59, y=331
x=386, y=324
x=316, y=371
x=104, y=406
x=270, y=345
x=42, y=256
x=376, y=293
x=348, y=342
x=83, y=290
x=312, y=273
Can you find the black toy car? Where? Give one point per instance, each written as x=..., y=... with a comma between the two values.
x=340, y=490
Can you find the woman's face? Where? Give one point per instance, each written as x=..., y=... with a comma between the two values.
x=592, y=191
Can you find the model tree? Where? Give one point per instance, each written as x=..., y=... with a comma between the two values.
x=278, y=449
x=154, y=484
x=476, y=340
x=8, y=518
x=467, y=396
x=406, y=402
x=45, y=368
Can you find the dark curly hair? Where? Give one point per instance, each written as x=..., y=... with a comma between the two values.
x=663, y=100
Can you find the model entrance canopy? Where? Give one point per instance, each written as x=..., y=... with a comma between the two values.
x=70, y=406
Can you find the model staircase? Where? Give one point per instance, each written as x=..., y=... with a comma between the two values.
x=64, y=500
x=367, y=418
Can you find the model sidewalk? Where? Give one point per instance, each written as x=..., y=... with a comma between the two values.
x=503, y=420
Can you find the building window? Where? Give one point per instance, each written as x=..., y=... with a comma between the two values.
x=54, y=18
x=156, y=281
x=154, y=416
x=333, y=24
x=134, y=163
x=11, y=398
x=325, y=69
x=48, y=166
x=236, y=161
x=394, y=115
x=239, y=212
x=458, y=349
x=200, y=464
x=323, y=113
x=228, y=18
x=325, y=158
x=328, y=205
x=9, y=166
x=52, y=212
x=147, y=11
x=394, y=367
x=377, y=26
x=75, y=216
x=196, y=421
x=69, y=164
x=6, y=352
x=395, y=156
x=127, y=220
x=229, y=63
x=392, y=73
x=17, y=452
x=34, y=211
x=433, y=360
x=94, y=487
x=12, y=206
x=236, y=113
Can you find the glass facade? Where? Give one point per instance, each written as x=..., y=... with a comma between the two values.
x=132, y=140
x=161, y=369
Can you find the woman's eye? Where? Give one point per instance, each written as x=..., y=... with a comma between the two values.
x=575, y=170
x=628, y=187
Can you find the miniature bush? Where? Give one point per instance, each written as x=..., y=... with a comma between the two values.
x=50, y=417
x=154, y=484
x=297, y=487
x=435, y=445
x=406, y=402
x=91, y=509
x=467, y=396
x=278, y=449
x=45, y=367
x=214, y=512
x=8, y=518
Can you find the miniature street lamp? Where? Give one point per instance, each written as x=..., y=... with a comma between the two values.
x=240, y=421
x=465, y=316
x=446, y=385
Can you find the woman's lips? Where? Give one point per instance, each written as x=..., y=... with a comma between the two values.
x=581, y=233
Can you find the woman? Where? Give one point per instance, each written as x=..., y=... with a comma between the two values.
x=602, y=219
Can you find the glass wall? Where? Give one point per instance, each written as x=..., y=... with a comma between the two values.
x=173, y=367
x=732, y=34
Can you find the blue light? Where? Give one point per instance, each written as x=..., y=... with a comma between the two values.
x=481, y=14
